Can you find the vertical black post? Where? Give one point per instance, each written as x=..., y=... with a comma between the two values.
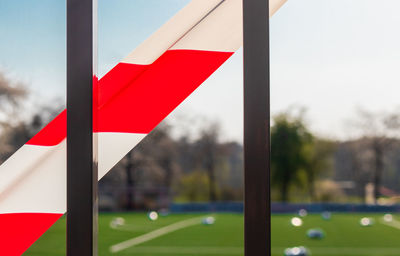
x=256, y=128
x=81, y=160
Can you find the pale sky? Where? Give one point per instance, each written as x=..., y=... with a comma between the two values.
x=329, y=56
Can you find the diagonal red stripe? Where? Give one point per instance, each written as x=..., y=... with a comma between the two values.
x=158, y=91
x=135, y=98
x=20, y=230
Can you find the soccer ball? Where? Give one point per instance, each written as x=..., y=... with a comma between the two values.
x=303, y=212
x=153, y=215
x=117, y=222
x=208, y=220
x=296, y=222
x=366, y=222
x=296, y=251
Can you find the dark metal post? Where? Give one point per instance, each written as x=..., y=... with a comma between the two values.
x=81, y=155
x=257, y=215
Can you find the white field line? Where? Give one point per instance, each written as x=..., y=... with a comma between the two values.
x=133, y=228
x=394, y=223
x=154, y=234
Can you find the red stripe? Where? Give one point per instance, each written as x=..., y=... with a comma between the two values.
x=53, y=133
x=20, y=230
x=148, y=99
x=132, y=99
x=117, y=79
x=135, y=98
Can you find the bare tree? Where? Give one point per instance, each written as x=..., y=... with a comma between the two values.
x=378, y=130
x=153, y=162
x=10, y=92
x=13, y=134
x=130, y=180
x=207, y=145
x=164, y=151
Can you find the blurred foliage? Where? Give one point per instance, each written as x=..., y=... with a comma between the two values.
x=379, y=134
x=329, y=191
x=318, y=163
x=193, y=187
x=11, y=93
x=165, y=168
x=298, y=158
x=289, y=141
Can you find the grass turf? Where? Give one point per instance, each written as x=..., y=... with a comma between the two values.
x=344, y=236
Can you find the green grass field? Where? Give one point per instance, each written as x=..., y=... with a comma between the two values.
x=344, y=236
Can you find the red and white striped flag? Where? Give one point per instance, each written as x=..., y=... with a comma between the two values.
x=133, y=98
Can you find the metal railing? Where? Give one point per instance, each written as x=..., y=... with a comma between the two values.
x=81, y=155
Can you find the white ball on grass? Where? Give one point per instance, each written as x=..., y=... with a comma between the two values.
x=296, y=221
x=366, y=222
x=208, y=220
x=303, y=212
x=153, y=215
x=296, y=251
x=117, y=222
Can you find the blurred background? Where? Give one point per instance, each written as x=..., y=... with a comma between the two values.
x=335, y=161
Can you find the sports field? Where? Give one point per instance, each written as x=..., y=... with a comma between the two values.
x=183, y=234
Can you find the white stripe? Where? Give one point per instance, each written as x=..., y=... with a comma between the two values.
x=42, y=187
x=34, y=178
x=113, y=147
x=21, y=162
x=220, y=31
x=170, y=32
x=154, y=234
x=212, y=25
x=275, y=5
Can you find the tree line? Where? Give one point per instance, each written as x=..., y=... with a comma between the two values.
x=167, y=168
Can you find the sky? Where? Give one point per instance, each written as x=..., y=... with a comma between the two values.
x=329, y=57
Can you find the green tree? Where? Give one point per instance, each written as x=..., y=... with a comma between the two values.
x=289, y=137
x=318, y=160
x=194, y=187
